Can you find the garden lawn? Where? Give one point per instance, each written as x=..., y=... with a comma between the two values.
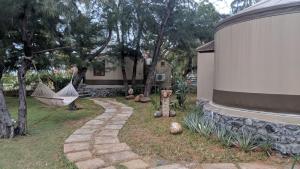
x=150, y=137
x=48, y=127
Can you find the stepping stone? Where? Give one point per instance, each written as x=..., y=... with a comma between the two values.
x=79, y=156
x=84, y=131
x=109, y=133
x=114, y=127
x=116, y=122
x=172, y=166
x=110, y=148
x=135, y=164
x=110, y=167
x=106, y=140
x=120, y=156
x=90, y=164
x=218, y=166
x=95, y=122
x=79, y=138
x=75, y=147
x=88, y=126
x=110, y=110
x=256, y=166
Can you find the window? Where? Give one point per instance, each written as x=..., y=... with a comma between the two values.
x=99, y=69
x=162, y=64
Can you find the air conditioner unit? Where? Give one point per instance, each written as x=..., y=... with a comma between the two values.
x=160, y=77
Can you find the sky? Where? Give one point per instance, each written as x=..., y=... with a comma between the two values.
x=222, y=6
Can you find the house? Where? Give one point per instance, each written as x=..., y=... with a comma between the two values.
x=248, y=77
x=106, y=79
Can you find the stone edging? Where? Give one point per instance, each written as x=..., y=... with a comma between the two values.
x=285, y=138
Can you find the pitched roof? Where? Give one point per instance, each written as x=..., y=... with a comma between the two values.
x=208, y=47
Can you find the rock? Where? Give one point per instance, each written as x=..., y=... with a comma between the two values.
x=130, y=91
x=138, y=97
x=129, y=97
x=248, y=122
x=145, y=99
x=172, y=113
x=175, y=128
x=157, y=114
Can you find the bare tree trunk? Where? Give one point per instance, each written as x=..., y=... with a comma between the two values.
x=6, y=125
x=159, y=42
x=22, y=113
x=79, y=76
x=27, y=42
x=125, y=80
x=135, y=62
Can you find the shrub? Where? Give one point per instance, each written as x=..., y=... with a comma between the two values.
x=181, y=90
x=246, y=141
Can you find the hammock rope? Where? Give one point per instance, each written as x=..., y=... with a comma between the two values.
x=47, y=96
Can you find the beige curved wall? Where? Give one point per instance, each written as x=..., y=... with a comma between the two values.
x=205, y=75
x=259, y=56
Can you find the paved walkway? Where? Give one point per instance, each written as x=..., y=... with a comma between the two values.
x=96, y=145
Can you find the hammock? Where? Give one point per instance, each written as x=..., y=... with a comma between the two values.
x=63, y=97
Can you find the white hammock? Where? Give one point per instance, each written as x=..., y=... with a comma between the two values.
x=63, y=97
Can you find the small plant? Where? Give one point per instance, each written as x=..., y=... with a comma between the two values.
x=296, y=159
x=266, y=146
x=181, y=90
x=246, y=141
x=225, y=137
x=155, y=104
x=193, y=119
x=205, y=128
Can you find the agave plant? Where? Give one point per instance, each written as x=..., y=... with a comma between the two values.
x=205, y=128
x=266, y=146
x=193, y=118
x=225, y=137
x=246, y=141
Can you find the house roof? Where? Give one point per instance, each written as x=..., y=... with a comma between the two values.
x=208, y=47
x=264, y=8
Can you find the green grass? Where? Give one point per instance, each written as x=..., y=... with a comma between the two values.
x=48, y=127
x=150, y=137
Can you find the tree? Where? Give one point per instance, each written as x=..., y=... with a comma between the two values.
x=238, y=5
x=27, y=19
x=6, y=125
x=165, y=17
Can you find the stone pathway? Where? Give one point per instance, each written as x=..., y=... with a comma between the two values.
x=96, y=145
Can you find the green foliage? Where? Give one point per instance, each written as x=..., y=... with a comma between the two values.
x=266, y=146
x=181, y=91
x=296, y=159
x=246, y=141
x=238, y=5
x=225, y=137
x=155, y=103
x=193, y=119
x=206, y=128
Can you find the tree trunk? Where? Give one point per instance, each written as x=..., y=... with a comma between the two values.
x=27, y=42
x=189, y=66
x=22, y=113
x=125, y=80
x=158, y=44
x=79, y=76
x=135, y=62
x=6, y=125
